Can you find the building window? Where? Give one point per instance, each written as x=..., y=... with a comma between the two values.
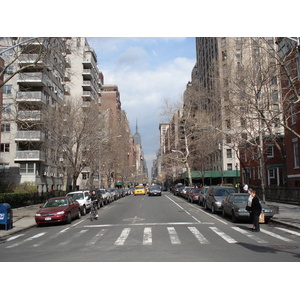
x=4, y=166
x=27, y=168
x=229, y=153
x=4, y=148
x=229, y=167
x=7, y=89
x=270, y=151
x=296, y=153
x=271, y=174
x=5, y=127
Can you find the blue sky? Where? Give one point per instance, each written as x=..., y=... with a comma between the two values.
x=146, y=70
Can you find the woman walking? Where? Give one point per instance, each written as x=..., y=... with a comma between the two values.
x=256, y=210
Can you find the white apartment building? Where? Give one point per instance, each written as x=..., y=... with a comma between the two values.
x=47, y=72
x=37, y=82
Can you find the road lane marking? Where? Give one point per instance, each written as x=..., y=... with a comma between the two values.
x=250, y=235
x=198, y=235
x=184, y=209
x=76, y=235
x=277, y=236
x=223, y=235
x=173, y=236
x=27, y=240
x=14, y=237
x=122, y=238
x=96, y=237
x=51, y=237
x=147, y=237
x=289, y=231
x=147, y=224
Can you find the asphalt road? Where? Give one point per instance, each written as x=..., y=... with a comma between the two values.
x=153, y=229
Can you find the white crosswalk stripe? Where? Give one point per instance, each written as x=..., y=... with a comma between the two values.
x=277, y=236
x=223, y=235
x=76, y=235
x=250, y=235
x=289, y=231
x=27, y=240
x=198, y=235
x=173, y=236
x=122, y=238
x=147, y=238
x=95, y=239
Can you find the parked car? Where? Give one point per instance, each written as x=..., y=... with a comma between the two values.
x=83, y=198
x=113, y=193
x=139, y=190
x=155, y=190
x=58, y=210
x=176, y=188
x=214, y=197
x=202, y=193
x=193, y=195
x=105, y=196
x=185, y=191
x=235, y=206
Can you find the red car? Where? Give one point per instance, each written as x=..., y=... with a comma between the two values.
x=61, y=209
x=193, y=195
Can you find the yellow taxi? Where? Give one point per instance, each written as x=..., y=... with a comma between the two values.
x=139, y=190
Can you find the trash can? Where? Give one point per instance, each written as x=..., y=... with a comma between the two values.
x=6, y=215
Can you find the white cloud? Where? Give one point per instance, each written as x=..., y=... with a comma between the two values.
x=146, y=70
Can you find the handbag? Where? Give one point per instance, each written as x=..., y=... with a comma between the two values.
x=248, y=208
x=261, y=218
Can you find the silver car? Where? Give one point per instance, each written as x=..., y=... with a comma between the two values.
x=235, y=206
x=214, y=197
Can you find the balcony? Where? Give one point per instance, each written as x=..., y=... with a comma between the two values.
x=30, y=115
x=87, y=74
x=37, y=136
x=33, y=59
x=30, y=155
x=35, y=97
x=86, y=85
x=33, y=79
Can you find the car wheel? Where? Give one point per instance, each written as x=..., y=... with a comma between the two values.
x=223, y=212
x=69, y=218
x=84, y=210
x=205, y=206
x=213, y=209
x=233, y=217
x=79, y=214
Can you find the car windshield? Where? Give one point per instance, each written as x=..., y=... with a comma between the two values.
x=76, y=196
x=139, y=188
x=196, y=191
x=56, y=203
x=223, y=192
x=240, y=198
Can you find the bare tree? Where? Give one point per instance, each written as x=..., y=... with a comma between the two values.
x=74, y=133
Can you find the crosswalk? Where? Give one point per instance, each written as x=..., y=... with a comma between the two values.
x=174, y=235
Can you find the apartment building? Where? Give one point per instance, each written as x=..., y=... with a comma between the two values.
x=36, y=80
x=233, y=83
x=289, y=53
x=82, y=86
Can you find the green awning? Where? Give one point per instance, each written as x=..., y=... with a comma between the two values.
x=213, y=174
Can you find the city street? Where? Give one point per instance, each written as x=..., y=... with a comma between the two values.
x=156, y=229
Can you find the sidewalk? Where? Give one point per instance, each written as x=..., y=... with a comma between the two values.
x=23, y=217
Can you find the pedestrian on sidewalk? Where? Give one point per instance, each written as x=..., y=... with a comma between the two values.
x=256, y=210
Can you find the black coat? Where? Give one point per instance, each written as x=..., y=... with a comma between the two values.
x=256, y=206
